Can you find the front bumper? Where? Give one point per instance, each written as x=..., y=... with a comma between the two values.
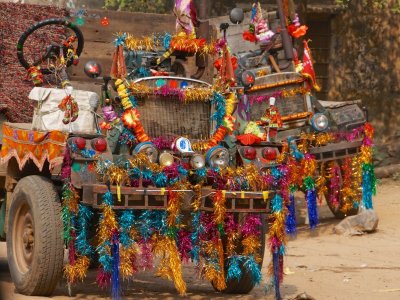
x=336, y=151
x=157, y=198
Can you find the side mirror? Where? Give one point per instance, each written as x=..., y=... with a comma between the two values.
x=236, y=15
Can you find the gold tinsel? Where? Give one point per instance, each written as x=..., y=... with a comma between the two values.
x=219, y=280
x=196, y=203
x=277, y=228
x=106, y=225
x=170, y=264
x=294, y=91
x=78, y=270
x=253, y=177
x=219, y=207
x=148, y=43
x=174, y=207
x=126, y=268
x=197, y=94
x=251, y=245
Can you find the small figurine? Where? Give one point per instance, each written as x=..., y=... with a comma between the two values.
x=272, y=118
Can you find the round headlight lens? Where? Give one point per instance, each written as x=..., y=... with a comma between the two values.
x=197, y=161
x=319, y=122
x=166, y=159
x=149, y=149
x=217, y=157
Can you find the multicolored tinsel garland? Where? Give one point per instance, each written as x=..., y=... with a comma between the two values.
x=74, y=217
x=285, y=93
x=368, y=175
x=309, y=167
x=251, y=243
x=277, y=237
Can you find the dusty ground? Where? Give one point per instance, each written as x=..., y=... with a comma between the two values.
x=320, y=263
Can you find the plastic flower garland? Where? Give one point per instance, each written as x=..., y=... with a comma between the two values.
x=224, y=108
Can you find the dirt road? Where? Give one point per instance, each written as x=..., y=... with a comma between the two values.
x=324, y=265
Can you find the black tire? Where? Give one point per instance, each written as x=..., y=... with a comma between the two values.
x=245, y=285
x=337, y=211
x=35, y=215
x=30, y=30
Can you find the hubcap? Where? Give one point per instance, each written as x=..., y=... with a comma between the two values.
x=24, y=238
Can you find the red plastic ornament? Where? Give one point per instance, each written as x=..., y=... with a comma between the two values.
x=104, y=21
x=249, y=153
x=80, y=143
x=269, y=153
x=99, y=144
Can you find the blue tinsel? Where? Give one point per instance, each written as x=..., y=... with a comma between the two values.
x=253, y=268
x=126, y=222
x=147, y=174
x=311, y=198
x=108, y=198
x=275, y=262
x=144, y=224
x=197, y=228
x=160, y=179
x=368, y=185
x=219, y=103
x=298, y=155
x=277, y=203
x=134, y=173
x=115, y=288
x=141, y=73
x=276, y=173
x=120, y=40
x=182, y=171
x=105, y=259
x=82, y=245
x=253, y=11
x=201, y=172
x=167, y=41
x=158, y=221
x=290, y=223
x=132, y=99
x=234, y=269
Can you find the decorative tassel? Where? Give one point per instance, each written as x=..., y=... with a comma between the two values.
x=277, y=271
x=311, y=198
x=291, y=225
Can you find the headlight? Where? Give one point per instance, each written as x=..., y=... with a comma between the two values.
x=149, y=149
x=166, y=159
x=197, y=161
x=217, y=157
x=319, y=122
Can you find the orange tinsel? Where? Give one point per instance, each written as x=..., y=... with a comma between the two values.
x=118, y=67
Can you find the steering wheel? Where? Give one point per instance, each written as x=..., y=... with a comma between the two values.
x=48, y=42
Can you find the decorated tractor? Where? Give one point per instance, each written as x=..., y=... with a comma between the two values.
x=178, y=170
x=325, y=144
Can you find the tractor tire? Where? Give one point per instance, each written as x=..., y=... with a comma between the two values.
x=245, y=285
x=35, y=247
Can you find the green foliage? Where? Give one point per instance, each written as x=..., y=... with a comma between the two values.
x=393, y=5
x=148, y=6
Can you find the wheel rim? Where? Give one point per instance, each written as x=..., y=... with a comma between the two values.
x=24, y=238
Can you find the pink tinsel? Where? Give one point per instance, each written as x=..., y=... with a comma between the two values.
x=163, y=142
x=172, y=171
x=146, y=261
x=264, y=98
x=230, y=224
x=251, y=225
x=184, y=244
x=103, y=279
x=166, y=91
x=66, y=165
x=334, y=186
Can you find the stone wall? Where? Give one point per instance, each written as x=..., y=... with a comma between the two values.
x=365, y=64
